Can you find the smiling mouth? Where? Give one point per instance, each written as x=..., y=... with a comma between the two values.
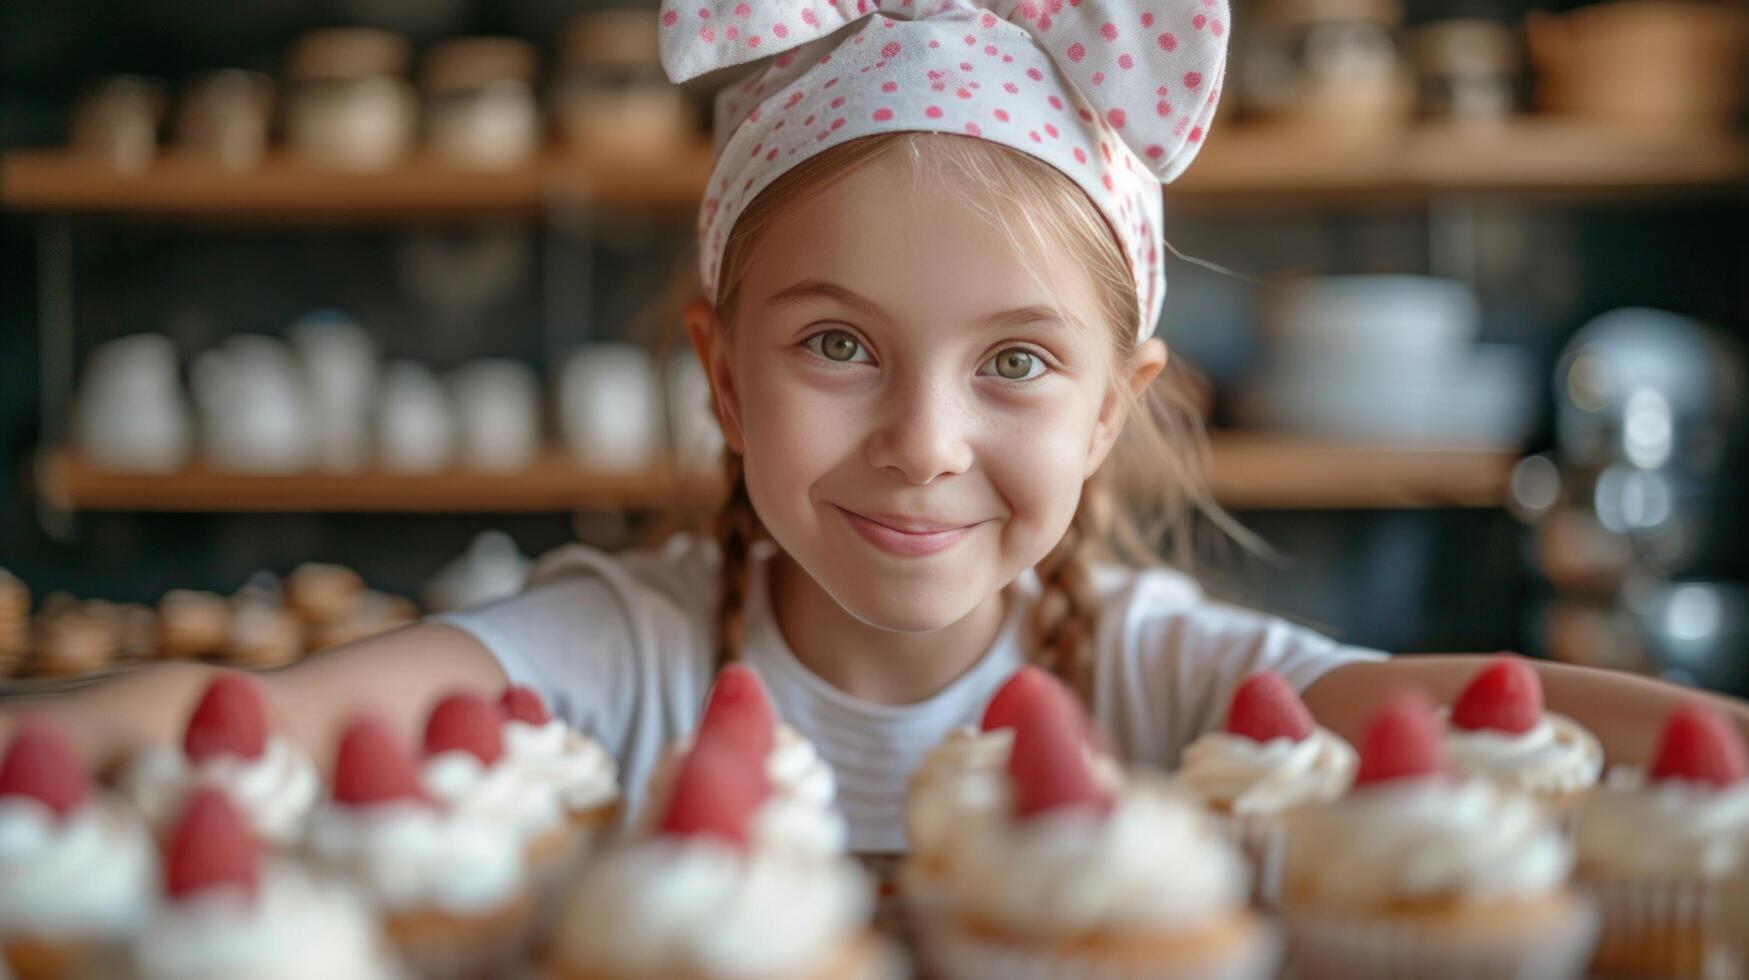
x=903, y=537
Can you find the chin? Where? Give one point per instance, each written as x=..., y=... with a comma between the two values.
x=903, y=604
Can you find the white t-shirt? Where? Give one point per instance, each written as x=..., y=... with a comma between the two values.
x=621, y=647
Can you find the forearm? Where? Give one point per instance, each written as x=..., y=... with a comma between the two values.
x=1624, y=710
x=395, y=676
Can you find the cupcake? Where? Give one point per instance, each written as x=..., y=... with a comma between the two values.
x=700, y=898
x=14, y=623
x=228, y=744
x=71, y=642
x=1498, y=731
x=798, y=814
x=1073, y=878
x=228, y=912
x=1417, y=873
x=1659, y=855
x=453, y=893
x=321, y=593
x=263, y=634
x=192, y=624
x=1270, y=760
x=577, y=766
x=467, y=771
x=965, y=778
x=78, y=870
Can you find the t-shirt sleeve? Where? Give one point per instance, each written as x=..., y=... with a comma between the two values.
x=573, y=641
x=1177, y=662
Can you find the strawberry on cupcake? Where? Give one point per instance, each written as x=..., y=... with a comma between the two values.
x=578, y=767
x=1498, y=730
x=453, y=892
x=78, y=869
x=798, y=814
x=230, y=744
x=1659, y=855
x=964, y=778
x=1074, y=877
x=467, y=771
x=699, y=896
x=1418, y=873
x=229, y=911
x=1270, y=759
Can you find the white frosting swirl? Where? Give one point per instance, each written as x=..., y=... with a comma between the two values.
x=498, y=795
x=1251, y=778
x=91, y=874
x=1557, y=755
x=276, y=791
x=1668, y=829
x=296, y=926
x=665, y=907
x=964, y=777
x=1424, y=840
x=577, y=765
x=799, y=817
x=1157, y=863
x=408, y=855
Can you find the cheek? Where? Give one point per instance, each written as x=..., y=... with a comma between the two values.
x=1035, y=458
x=795, y=432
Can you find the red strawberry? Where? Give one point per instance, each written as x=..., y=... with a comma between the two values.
x=717, y=789
x=524, y=705
x=1024, y=688
x=1049, y=762
x=371, y=766
x=211, y=847
x=1701, y=746
x=1506, y=696
x=40, y=763
x=465, y=722
x=231, y=719
x=1401, y=742
x=1265, y=708
x=738, y=706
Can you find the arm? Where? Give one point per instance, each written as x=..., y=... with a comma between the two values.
x=397, y=675
x=1624, y=710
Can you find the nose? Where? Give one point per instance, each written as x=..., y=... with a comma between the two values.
x=923, y=432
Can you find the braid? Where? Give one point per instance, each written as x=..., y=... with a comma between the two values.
x=1064, y=618
x=737, y=528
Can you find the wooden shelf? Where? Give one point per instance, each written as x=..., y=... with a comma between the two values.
x=285, y=189
x=1251, y=471
x=1242, y=163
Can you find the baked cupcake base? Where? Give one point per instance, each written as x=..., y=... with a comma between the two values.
x=1240, y=947
x=1537, y=939
x=46, y=959
x=1657, y=928
x=868, y=958
x=439, y=945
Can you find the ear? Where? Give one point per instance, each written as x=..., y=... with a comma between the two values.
x=1136, y=373
x=708, y=342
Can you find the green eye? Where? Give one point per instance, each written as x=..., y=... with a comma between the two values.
x=1016, y=364
x=836, y=345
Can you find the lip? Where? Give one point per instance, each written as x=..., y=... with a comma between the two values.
x=905, y=537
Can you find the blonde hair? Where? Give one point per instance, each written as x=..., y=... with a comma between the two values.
x=1153, y=485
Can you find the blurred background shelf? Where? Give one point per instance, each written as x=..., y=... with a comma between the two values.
x=1251, y=470
x=283, y=188
x=1241, y=164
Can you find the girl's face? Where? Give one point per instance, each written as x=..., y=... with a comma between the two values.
x=917, y=411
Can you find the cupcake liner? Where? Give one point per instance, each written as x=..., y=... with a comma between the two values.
x=1324, y=946
x=442, y=946
x=925, y=903
x=1669, y=928
x=958, y=954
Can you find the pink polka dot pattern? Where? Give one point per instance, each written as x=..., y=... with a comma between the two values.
x=1116, y=94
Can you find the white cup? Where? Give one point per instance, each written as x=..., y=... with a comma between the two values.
x=610, y=407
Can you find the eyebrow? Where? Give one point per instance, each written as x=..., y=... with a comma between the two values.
x=808, y=289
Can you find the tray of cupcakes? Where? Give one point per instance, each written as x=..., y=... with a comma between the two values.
x=1478, y=840
x=268, y=623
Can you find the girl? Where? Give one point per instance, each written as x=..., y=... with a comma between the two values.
x=930, y=253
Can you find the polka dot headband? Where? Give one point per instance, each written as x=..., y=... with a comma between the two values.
x=1116, y=94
